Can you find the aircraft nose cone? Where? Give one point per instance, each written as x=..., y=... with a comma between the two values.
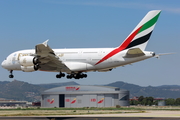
x=3, y=64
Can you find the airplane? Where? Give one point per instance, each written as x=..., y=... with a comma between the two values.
x=77, y=62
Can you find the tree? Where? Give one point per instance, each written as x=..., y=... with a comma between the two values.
x=144, y=102
x=151, y=99
x=140, y=99
x=177, y=102
x=134, y=102
x=170, y=101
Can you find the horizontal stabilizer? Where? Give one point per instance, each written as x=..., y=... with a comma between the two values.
x=158, y=55
x=135, y=52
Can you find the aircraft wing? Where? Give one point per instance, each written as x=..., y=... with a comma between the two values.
x=134, y=52
x=49, y=61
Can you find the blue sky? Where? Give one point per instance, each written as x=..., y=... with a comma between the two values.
x=92, y=24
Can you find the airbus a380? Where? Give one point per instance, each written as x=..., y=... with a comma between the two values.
x=76, y=62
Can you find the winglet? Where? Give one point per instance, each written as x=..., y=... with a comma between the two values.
x=45, y=43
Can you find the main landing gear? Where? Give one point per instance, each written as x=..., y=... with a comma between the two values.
x=73, y=75
x=11, y=75
x=60, y=75
x=76, y=76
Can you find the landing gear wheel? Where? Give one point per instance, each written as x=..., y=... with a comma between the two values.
x=69, y=76
x=11, y=76
x=85, y=75
x=60, y=75
x=76, y=75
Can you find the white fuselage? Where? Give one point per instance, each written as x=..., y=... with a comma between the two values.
x=76, y=61
x=79, y=60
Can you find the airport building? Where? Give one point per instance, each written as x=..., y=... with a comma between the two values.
x=84, y=96
x=15, y=103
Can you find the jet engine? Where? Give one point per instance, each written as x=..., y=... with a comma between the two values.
x=29, y=68
x=28, y=60
x=29, y=63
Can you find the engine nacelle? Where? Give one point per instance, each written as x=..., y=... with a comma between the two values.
x=28, y=60
x=104, y=70
x=28, y=68
x=78, y=66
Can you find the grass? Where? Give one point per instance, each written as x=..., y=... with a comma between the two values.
x=60, y=112
x=176, y=108
x=91, y=108
x=36, y=111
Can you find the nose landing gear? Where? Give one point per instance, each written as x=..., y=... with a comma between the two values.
x=11, y=75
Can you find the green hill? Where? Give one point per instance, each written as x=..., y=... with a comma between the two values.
x=19, y=90
x=165, y=91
